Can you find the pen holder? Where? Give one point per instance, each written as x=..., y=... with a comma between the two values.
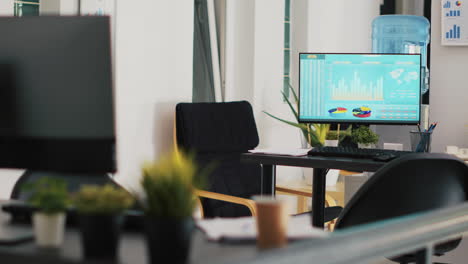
x=420, y=141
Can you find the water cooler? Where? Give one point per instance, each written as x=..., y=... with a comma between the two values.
x=402, y=34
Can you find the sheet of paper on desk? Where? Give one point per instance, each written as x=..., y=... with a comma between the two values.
x=281, y=151
x=299, y=227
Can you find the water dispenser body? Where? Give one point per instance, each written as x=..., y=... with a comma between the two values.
x=403, y=34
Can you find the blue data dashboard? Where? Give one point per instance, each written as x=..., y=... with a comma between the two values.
x=360, y=88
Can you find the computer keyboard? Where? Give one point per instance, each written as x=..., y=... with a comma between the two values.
x=375, y=154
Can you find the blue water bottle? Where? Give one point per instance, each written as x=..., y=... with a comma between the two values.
x=403, y=34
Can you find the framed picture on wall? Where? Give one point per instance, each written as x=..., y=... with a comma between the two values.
x=454, y=23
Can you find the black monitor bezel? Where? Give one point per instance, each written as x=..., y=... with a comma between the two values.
x=345, y=121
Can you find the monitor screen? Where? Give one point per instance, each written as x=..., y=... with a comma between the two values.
x=56, y=96
x=359, y=88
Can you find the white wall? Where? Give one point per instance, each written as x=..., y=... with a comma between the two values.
x=268, y=72
x=268, y=82
x=154, y=54
x=8, y=178
x=254, y=69
x=331, y=26
x=341, y=25
x=6, y=7
x=448, y=90
x=55, y=7
x=69, y=7
x=239, y=50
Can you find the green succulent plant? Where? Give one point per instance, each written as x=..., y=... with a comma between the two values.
x=364, y=135
x=106, y=199
x=169, y=186
x=48, y=195
x=315, y=134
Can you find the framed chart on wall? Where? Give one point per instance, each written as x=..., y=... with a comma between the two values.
x=454, y=15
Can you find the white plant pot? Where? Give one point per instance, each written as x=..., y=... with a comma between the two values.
x=331, y=143
x=49, y=229
x=368, y=146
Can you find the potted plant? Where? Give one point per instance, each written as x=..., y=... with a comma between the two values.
x=100, y=211
x=49, y=198
x=364, y=137
x=314, y=134
x=332, y=138
x=168, y=203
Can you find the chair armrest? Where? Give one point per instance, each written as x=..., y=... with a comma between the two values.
x=329, y=200
x=229, y=198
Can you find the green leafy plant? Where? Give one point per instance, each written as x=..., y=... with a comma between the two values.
x=106, y=199
x=332, y=135
x=169, y=185
x=364, y=135
x=315, y=134
x=48, y=195
x=335, y=134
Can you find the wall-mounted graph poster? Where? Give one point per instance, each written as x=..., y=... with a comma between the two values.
x=454, y=30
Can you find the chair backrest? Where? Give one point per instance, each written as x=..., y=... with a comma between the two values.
x=413, y=183
x=218, y=133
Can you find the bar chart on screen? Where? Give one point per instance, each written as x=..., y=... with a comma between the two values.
x=454, y=23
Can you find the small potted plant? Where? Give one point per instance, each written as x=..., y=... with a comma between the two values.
x=168, y=202
x=100, y=211
x=49, y=198
x=332, y=138
x=364, y=137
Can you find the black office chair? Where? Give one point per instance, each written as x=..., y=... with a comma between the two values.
x=220, y=133
x=413, y=183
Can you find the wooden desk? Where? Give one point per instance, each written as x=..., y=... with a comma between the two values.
x=320, y=165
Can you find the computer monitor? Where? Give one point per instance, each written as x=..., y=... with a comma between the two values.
x=357, y=88
x=56, y=94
